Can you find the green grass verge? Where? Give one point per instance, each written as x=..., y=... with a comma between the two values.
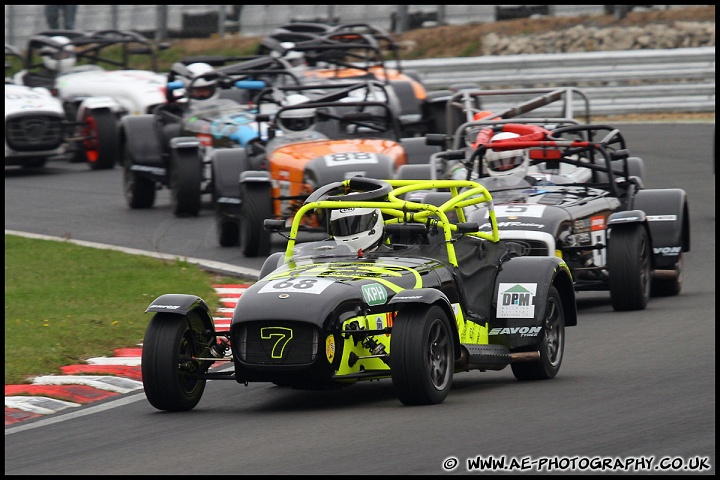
x=65, y=303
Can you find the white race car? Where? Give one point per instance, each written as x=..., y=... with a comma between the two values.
x=35, y=126
x=90, y=72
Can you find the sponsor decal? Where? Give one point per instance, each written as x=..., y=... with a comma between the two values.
x=374, y=294
x=516, y=300
x=513, y=225
x=330, y=348
x=170, y=307
x=661, y=218
x=521, y=331
x=597, y=223
x=669, y=251
x=354, y=271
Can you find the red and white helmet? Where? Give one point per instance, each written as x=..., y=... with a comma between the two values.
x=506, y=163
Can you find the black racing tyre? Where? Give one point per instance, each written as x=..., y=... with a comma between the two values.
x=422, y=355
x=101, y=139
x=139, y=190
x=168, y=371
x=435, y=110
x=669, y=284
x=185, y=181
x=551, y=346
x=628, y=264
x=255, y=207
x=227, y=229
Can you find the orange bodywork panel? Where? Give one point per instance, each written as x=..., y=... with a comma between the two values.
x=287, y=166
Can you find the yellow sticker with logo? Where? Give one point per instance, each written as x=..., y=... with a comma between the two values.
x=330, y=348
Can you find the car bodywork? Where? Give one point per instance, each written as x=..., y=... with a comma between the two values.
x=171, y=147
x=35, y=126
x=439, y=297
x=356, y=132
x=100, y=89
x=615, y=234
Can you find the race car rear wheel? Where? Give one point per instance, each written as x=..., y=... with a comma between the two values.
x=101, y=147
x=139, y=190
x=255, y=207
x=628, y=264
x=168, y=369
x=185, y=181
x=421, y=355
x=552, y=344
x=669, y=284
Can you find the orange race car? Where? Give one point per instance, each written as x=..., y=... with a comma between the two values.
x=318, y=134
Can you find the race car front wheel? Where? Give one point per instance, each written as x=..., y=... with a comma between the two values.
x=421, y=355
x=552, y=344
x=256, y=206
x=169, y=370
x=139, y=190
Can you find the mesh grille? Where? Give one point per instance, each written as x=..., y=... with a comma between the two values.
x=276, y=343
x=32, y=133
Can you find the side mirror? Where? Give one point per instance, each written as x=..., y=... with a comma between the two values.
x=274, y=226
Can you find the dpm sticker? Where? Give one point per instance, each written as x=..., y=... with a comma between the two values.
x=516, y=300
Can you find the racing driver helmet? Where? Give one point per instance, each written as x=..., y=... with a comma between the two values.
x=358, y=228
x=201, y=87
x=297, y=120
x=59, y=59
x=506, y=163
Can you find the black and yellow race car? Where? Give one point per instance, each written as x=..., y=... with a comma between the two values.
x=434, y=296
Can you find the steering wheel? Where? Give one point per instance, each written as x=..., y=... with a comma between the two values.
x=369, y=189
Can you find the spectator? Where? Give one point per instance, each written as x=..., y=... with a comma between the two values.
x=53, y=13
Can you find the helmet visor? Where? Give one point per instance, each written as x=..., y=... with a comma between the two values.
x=297, y=124
x=353, y=224
x=203, y=92
x=504, y=164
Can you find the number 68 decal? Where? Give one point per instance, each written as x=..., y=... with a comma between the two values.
x=297, y=285
x=349, y=158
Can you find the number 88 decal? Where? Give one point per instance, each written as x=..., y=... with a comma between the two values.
x=347, y=158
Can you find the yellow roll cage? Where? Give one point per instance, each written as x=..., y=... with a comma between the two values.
x=463, y=193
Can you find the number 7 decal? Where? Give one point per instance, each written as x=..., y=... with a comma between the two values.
x=283, y=336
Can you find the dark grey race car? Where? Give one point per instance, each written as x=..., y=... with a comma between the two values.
x=436, y=298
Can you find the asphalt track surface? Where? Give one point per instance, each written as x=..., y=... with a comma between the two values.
x=633, y=385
